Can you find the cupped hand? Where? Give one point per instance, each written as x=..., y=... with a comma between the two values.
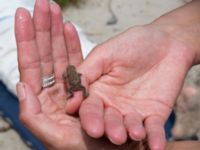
x=134, y=80
x=44, y=46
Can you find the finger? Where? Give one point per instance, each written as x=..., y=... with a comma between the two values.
x=58, y=42
x=73, y=44
x=74, y=103
x=75, y=58
x=91, y=115
x=28, y=57
x=22, y=94
x=41, y=18
x=32, y=117
x=155, y=132
x=114, y=126
x=98, y=62
x=134, y=126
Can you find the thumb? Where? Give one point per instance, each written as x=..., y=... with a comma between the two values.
x=91, y=69
x=32, y=116
x=29, y=106
x=95, y=64
x=29, y=103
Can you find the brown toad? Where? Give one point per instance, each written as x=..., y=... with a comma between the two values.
x=73, y=79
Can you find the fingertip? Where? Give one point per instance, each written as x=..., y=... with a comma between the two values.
x=93, y=125
x=55, y=8
x=134, y=125
x=72, y=38
x=94, y=129
x=41, y=15
x=56, y=20
x=114, y=126
x=157, y=141
x=74, y=103
x=69, y=27
x=91, y=115
x=118, y=137
x=23, y=25
x=42, y=5
x=137, y=133
x=156, y=145
x=69, y=33
x=21, y=12
x=155, y=132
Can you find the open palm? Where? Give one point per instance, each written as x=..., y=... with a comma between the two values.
x=134, y=80
x=44, y=46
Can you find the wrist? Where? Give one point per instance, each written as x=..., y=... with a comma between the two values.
x=188, y=35
x=184, y=35
x=183, y=24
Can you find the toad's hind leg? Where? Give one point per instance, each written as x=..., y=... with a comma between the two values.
x=71, y=94
x=85, y=93
x=83, y=89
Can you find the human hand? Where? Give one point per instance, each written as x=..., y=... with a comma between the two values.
x=43, y=50
x=46, y=46
x=134, y=80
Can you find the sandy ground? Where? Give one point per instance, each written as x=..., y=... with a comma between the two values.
x=94, y=16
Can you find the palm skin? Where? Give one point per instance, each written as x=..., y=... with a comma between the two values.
x=135, y=80
x=133, y=85
x=61, y=131
x=43, y=45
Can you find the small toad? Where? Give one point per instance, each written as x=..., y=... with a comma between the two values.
x=73, y=79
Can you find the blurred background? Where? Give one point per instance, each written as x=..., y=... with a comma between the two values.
x=102, y=19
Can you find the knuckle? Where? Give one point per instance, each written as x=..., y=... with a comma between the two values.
x=26, y=64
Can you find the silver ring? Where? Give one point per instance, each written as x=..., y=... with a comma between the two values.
x=48, y=80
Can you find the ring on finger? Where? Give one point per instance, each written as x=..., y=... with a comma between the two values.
x=48, y=80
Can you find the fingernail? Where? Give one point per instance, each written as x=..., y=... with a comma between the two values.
x=21, y=91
